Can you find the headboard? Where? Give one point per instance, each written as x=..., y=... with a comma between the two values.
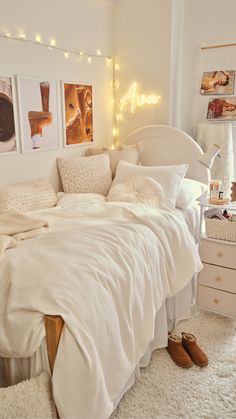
x=163, y=145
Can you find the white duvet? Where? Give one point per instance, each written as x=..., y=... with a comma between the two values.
x=106, y=269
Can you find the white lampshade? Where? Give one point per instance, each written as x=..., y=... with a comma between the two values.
x=207, y=159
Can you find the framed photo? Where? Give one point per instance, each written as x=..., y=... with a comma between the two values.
x=222, y=108
x=38, y=106
x=218, y=82
x=8, y=132
x=78, y=113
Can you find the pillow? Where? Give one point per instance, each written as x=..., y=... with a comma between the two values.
x=169, y=177
x=27, y=196
x=140, y=189
x=85, y=174
x=71, y=200
x=28, y=399
x=189, y=191
x=123, y=152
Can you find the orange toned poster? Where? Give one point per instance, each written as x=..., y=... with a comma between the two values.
x=78, y=101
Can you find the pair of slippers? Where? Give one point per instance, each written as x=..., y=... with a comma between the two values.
x=185, y=351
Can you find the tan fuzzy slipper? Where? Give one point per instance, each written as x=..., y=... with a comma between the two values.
x=177, y=352
x=195, y=352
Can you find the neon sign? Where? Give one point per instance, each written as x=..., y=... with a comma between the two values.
x=137, y=101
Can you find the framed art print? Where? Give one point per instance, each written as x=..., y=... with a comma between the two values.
x=218, y=82
x=38, y=106
x=8, y=135
x=78, y=113
x=222, y=108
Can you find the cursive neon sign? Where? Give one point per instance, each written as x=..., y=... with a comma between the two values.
x=137, y=101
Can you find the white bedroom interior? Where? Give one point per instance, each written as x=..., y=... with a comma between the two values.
x=156, y=47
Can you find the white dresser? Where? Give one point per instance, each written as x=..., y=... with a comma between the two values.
x=217, y=280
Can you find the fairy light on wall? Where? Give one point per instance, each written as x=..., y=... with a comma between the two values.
x=21, y=37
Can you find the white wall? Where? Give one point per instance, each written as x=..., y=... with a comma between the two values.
x=143, y=33
x=206, y=22
x=75, y=24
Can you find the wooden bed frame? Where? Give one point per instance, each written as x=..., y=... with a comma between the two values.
x=53, y=327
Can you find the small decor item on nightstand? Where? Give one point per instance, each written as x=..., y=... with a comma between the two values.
x=233, y=191
x=214, y=185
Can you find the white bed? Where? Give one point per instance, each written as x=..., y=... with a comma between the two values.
x=162, y=145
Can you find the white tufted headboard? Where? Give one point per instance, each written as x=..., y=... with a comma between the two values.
x=164, y=145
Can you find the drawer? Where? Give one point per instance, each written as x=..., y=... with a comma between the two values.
x=218, y=277
x=215, y=300
x=222, y=254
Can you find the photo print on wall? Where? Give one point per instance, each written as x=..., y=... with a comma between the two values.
x=222, y=108
x=8, y=137
x=78, y=113
x=218, y=82
x=38, y=107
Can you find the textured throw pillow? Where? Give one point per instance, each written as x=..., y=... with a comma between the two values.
x=169, y=177
x=28, y=399
x=139, y=189
x=189, y=191
x=85, y=174
x=123, y=152
x=27, y=196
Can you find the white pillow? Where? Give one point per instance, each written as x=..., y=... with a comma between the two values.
x=71, y=200
x=28, y=399
x=169, y=177
x=139, y=189
x=85, y=174
x=189, y=191
x=27, y=196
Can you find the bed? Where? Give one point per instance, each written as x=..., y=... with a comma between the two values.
x=85, y=315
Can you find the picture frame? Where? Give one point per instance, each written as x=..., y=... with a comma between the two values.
x=218, y=82
x=39, y=113
x=9, y=135
x=77, y=103
x=222, y=108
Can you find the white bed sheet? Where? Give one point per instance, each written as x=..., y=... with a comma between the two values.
x=155, y=234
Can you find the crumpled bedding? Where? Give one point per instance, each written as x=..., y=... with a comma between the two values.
x=16, y=226
x=105, y=268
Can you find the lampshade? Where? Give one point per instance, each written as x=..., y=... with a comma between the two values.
x=207, y=159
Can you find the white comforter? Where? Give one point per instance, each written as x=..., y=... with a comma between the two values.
x=106, y=269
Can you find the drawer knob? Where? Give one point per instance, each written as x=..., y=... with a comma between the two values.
x=216, y=301
x=220, y=254
x=218, y=278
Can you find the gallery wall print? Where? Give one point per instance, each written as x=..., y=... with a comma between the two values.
x=222, y=108
x=78, y=113
x=8, y=135
x=218, y=82
x=38, y=106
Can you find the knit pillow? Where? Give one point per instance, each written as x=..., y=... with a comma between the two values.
x=85, y=174
x=28, y=399
x=27, y=196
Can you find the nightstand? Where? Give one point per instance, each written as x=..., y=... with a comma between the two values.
x=217, y=280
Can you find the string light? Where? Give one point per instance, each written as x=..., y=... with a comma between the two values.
x=21, y=37
x=38, y=39
x=117, y=67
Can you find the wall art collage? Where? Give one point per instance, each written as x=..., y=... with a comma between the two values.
x=36, y=103
x=222, y=84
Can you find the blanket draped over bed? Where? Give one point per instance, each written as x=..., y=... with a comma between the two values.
x=106, y=269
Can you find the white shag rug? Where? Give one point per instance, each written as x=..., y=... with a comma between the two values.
x=29, y=399
x=166, y=391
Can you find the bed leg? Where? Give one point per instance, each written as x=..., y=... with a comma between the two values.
x=53, y=327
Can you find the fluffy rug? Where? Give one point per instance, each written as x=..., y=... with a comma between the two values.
x=166, y=391
x=29, y=399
